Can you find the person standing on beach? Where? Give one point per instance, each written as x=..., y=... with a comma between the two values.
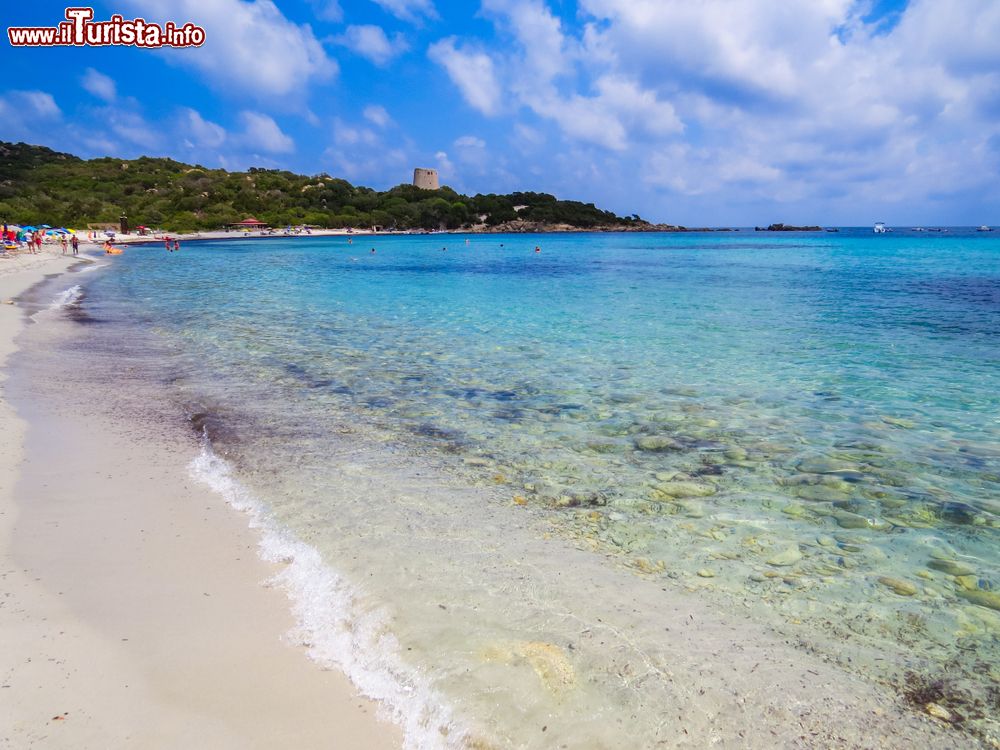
x=75, y=242
x=62, y=241
x=38, y=241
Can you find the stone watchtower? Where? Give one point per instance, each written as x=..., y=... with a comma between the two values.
x=426, y=179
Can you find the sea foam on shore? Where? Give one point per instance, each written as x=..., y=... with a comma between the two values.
x=334, y=625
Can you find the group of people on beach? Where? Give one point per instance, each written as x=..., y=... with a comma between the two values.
x=13, y=237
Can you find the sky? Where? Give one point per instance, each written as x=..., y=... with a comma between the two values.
x=694, y=112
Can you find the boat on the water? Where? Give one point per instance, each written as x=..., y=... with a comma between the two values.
x=985, y=228
x=880, y=227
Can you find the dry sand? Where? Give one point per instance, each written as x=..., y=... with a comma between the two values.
x=131, y=607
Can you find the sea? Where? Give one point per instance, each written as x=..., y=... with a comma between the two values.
x=488, y=462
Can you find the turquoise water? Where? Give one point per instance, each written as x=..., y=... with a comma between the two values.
x=803, y=424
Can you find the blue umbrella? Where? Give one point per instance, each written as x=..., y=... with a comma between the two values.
x=30, y=229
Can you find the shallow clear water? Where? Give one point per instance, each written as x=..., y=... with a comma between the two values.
x=807, y=425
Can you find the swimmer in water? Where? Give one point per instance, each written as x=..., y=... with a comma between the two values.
x=373, y=250
x=538, y=249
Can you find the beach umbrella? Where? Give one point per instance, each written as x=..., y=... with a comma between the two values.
x=46, y=226
x=30, y=229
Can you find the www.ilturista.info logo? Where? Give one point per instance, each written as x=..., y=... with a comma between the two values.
x=80, y=30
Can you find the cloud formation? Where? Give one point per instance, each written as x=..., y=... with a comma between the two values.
x=472, y=72
x=251, y=47
x=372, y=43
x=409, y=10
x=99, y=85
x=261, y=132
x=804, y=102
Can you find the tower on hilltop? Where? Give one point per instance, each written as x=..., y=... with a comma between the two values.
x=426, y=179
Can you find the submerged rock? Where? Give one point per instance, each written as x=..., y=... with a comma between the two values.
x=657, y=444
x=691, y=508
x=990, y=599
x=783, y=559
x=959, y=513
x=939, y=712
x=822, y=465
x=847, y=520
x=686, y=489
x=969, y=583
x=820, y=494
x=901, y=587
x=548, y=660
x=951, y=567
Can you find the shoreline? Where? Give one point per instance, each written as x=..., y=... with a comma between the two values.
x=104, y=466
x=141, y=623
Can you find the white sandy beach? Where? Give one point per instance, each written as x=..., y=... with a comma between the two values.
x=132, y=611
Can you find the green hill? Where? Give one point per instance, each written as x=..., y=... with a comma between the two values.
x=38, y=185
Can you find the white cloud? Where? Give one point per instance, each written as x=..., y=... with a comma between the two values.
x=201, y=132
x=371, y=43
x=261, y=132
x=132, y=127
x=796, y=102
x=470, y=141
x=34, y=104
x=99, y=85
x=359, y=154
x=546, y=52
x=472, y=72
x=345, y=134
x=445, y=167
x=30, y=116
x=408, y=10
x=250, y=46
x=328, y=10
x=376, y=114
x=545, y=59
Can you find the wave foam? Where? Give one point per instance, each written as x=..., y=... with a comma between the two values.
x=333, y=622
x=93, y=266
x=67, y=297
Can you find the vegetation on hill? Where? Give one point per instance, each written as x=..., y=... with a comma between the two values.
x=38, y=185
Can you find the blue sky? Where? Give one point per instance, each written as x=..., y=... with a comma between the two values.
x=701, y=112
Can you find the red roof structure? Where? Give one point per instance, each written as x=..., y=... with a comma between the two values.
x=249, y=222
